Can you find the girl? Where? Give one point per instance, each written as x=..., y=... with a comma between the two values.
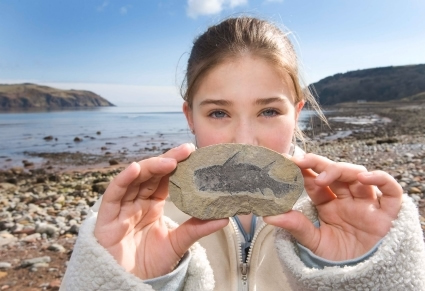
x=352, y=230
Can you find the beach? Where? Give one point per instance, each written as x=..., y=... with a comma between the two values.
x=43, y=203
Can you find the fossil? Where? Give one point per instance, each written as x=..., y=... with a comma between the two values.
x=234, y=177
x=228, y=179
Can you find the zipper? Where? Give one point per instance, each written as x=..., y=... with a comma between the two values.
x=259, y=228
x=244, y=267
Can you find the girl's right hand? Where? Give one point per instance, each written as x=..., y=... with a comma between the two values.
x=130, y=224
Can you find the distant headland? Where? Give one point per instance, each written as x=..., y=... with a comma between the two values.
x=401, y=83
x=29, y=96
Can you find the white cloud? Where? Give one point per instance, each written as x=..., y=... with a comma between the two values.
x=124, y=9
x=102, y=6
x=235, y=3
x=210, y=7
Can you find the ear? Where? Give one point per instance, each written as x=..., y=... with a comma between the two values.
x=189, y=115
x=298, y=107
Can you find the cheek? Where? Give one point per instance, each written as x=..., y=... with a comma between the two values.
x=206, y=138
x=279, y=143
x=278, y=137
x=206, y=134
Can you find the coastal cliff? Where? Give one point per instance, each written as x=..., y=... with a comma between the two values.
x=33, y=96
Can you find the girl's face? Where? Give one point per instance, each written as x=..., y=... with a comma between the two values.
x=244, y=101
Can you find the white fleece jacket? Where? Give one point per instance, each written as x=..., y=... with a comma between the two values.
x=398, y=264
x=92, y=267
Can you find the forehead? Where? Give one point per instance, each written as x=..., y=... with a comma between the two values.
x=244, y=77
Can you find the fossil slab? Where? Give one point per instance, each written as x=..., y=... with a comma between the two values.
x=228, y=179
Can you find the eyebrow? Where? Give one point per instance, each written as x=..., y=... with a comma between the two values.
x=220, y=102
x=266, y=101
x=260, y=101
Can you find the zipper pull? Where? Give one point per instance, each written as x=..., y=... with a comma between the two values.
x=244, y=271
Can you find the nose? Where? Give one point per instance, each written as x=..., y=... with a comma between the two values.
x=244, y=132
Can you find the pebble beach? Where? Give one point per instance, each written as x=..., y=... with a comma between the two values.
x=43, y=205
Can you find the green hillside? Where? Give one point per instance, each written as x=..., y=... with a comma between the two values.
x=33, y=96
x=377, y=84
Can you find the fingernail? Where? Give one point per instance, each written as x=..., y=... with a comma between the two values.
x=367, y=174
x=131, y=165
x=186, y=144
x=192, y=145
x=321, y=176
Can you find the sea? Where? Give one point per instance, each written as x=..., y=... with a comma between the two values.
x=89, y=130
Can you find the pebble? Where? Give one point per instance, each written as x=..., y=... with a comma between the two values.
x=39, y=205
x=113, y=162
x=100, y=187
x=56, y=248
x=7, y=239
x=5, y=265
x=31, y=238
x=74, y=229
x=46, y=228
x=35, y=261
x=414, y=190
x=40, y=265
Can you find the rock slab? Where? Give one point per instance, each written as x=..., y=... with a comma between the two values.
x=224, y=180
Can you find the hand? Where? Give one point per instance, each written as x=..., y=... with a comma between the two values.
x=353, y=214
x=130, y=223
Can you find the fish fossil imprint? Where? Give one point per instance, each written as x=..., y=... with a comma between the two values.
x=233, y=177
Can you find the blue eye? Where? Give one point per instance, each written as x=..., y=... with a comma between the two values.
x=218, y=114
x=269, y=112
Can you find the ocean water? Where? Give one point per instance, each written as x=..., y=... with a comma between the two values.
x=121, y=129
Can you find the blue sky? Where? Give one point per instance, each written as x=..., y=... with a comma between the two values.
x=134, y=52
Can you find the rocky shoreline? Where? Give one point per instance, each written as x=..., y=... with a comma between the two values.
x=42, y=208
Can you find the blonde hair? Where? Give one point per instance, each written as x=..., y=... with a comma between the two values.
x=238, y=36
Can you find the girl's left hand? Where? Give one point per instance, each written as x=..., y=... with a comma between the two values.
x=353, y=214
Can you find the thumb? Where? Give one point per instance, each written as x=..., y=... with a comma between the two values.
x=297, y=224
x=184, y=236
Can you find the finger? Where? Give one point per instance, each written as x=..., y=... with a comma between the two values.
x=161, y=189
x=312, y=161
x=184, y=236
x=124, y=187
x=318, y=194
x=111, y=199
x=392, y=191
x=340, y=177
x=343, y=172
x=299, y=226
x=118, y=186
x=150, y=186
x=155, y=168
x=180, y=153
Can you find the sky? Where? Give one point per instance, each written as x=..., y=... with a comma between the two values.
x=134, y=52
